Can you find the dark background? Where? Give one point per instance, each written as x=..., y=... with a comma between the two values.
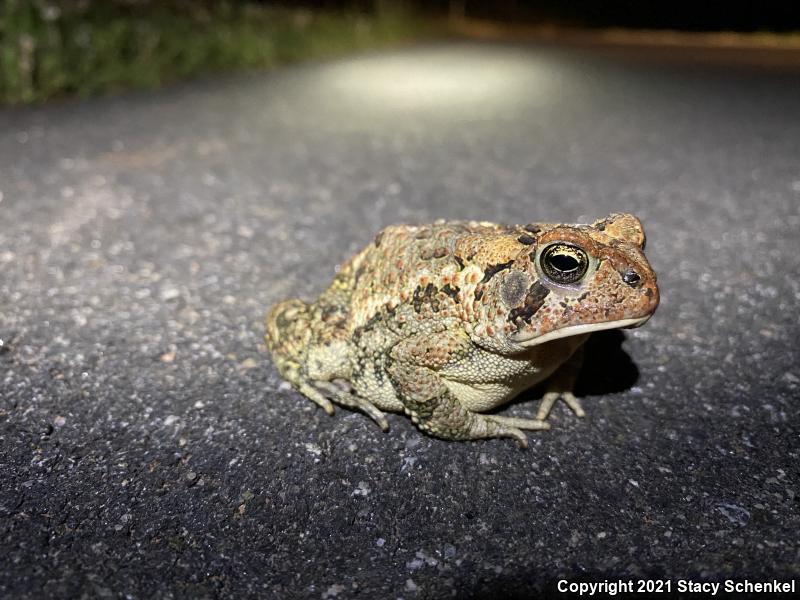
x=690, y=16
x=736, y=15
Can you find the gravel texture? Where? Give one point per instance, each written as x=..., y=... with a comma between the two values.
x=148, y=449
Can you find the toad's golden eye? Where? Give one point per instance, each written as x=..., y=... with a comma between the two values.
x=564, y=263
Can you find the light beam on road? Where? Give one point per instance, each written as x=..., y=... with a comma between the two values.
x=438, y=79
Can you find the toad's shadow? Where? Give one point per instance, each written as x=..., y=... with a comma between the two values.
x=607, y=368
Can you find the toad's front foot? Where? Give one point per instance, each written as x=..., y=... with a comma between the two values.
x=551, y=397
x=561, y=385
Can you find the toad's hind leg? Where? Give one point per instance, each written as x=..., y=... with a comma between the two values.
x=341, y=393
x=436, y=411
x=319, y=371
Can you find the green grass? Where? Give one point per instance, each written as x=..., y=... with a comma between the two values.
x=90, y=47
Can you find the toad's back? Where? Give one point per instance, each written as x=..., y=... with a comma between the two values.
x=422, y=266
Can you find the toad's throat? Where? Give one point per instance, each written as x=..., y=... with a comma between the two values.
x=529, y=341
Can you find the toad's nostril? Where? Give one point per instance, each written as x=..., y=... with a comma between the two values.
x=631, y=278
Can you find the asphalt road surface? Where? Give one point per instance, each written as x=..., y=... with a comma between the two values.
x=148, y=448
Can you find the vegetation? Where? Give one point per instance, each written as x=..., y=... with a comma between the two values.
x=56, y=48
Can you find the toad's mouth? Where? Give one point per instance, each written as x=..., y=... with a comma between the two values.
x=578, y=330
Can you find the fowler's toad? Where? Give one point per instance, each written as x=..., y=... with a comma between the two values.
x=446, y=321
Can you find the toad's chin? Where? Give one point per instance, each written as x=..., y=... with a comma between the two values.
x=528, y=340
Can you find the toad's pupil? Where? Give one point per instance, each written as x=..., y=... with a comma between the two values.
x=564, y=263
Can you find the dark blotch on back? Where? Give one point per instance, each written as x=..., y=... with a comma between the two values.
x=369, y=325
x=333, y=314
x=450, y=291
x=425, y=295
x=492, y=270
x=526, y=239
x=534, y=300
x=359, y=272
